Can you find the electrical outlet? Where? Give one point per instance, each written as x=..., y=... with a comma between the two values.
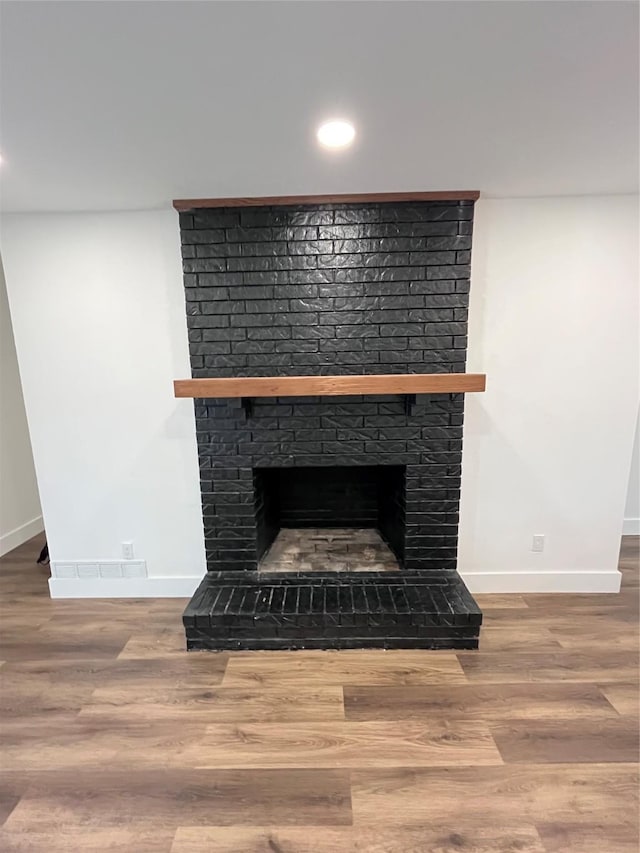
x=127, y=550
x=538, y=542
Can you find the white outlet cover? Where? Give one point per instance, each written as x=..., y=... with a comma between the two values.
x=135, y=569
x=110, y=570
x=64, y=570
x=538, y=543
x=88, y=570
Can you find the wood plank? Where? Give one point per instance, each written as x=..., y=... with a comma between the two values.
x=580, y=603
x=27, y=702
x=602, y=667
x=163, y=798
x=592, y=837
x=560, y=701
x=312, y=386
x=303, y=669
x=344, y=744
x=605, y=793
x=518, y=637
x=42, y=644
x=567, y=741
x=618, y=619
x=69, y=838
x=457, y=838
x=501, y=601
x=69, y=626
x=593, y=634
x=73, y=742
x=190, y=670
x=67, y=750
x=186, y=204
x=164, y=642
x=118, y=706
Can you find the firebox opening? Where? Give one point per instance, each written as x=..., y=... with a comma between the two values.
x=348, y=518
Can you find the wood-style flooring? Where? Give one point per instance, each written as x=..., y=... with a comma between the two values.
x=113, y=738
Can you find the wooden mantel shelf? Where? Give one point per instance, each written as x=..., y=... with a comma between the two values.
x=326, y=386
x=185, y=204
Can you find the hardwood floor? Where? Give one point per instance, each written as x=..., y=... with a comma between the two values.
x=115, y=739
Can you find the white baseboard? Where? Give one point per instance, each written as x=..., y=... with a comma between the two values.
x=631, y=527
x=26, y=531
x=482, y=582
x=123, y=587
x=478, y=582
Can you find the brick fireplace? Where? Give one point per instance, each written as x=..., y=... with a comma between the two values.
x=329, y=290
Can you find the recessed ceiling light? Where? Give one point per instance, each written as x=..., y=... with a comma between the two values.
x=336, y=134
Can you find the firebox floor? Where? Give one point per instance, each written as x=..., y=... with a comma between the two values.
x=334, y=549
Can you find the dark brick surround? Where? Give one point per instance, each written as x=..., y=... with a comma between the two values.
x=282, y=291
x=330, y=289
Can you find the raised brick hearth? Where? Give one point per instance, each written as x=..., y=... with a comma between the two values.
x=248, y=610
x=331, y=289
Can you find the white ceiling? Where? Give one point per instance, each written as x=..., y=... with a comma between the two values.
x=108, y=105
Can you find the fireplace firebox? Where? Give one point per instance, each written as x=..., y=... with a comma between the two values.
x=354, y=497
x=330, y=521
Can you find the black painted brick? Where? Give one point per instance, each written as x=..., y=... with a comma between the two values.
x=334, y=289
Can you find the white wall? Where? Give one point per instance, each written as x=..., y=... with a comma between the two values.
x=554, y=324
x=631, y=526
x=100, y=332
x=20, y=514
